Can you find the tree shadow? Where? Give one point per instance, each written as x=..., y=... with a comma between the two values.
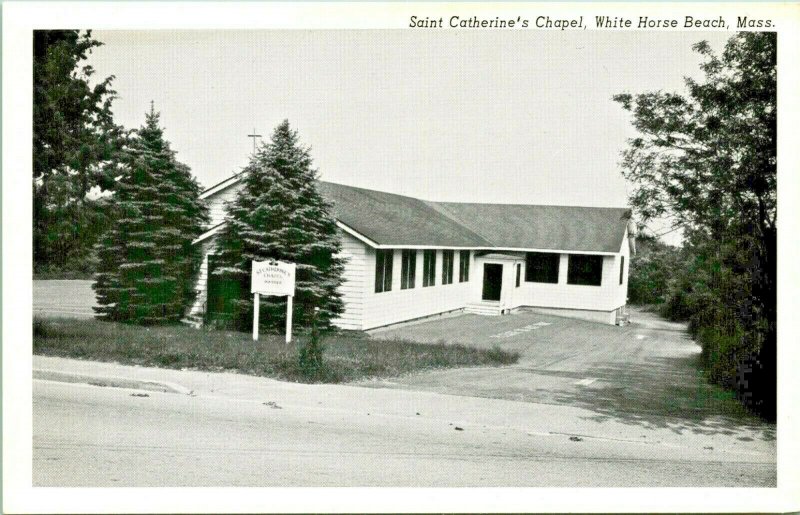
x=664, y=392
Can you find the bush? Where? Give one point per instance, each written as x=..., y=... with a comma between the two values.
x=719, y=355
x=310, y=356
x=501, y=356
x=756, y=385
x=41, y=329
x=713, y=293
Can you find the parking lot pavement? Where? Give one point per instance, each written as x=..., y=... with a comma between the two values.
x=645, y=374
x=69, y=298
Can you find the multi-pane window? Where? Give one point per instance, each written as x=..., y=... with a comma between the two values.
x=621, y=269
x=383, y=270
x=519, y=273
x=408, y=269
x=448, y=257
x=429, y=268
x=463, y=266
x=584, y=269
x=541, y=267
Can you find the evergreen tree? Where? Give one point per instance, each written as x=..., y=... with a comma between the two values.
x=279, y=214
x=147, y=263
x=76, y=147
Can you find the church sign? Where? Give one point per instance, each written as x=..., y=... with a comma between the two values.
x=272, y=278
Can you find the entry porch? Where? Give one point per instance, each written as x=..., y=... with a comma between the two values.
x=498, y=277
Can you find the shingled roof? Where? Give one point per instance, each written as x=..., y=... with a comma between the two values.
x=391, y=220
x=514, y=226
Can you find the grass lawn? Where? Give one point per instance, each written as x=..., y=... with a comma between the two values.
x=348, y=356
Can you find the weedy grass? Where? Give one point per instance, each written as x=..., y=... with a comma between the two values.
x=348, y=356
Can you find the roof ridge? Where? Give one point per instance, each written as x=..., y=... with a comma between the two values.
x=372, y=190
x=571, y=206
x=442, y=211
x=235, y=178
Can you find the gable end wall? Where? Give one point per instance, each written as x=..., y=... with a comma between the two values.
x=352, y=289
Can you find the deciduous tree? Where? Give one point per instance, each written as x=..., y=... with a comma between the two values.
x=707, y=159
x=75, y=148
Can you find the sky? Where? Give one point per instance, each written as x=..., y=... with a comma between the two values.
x=473, y=116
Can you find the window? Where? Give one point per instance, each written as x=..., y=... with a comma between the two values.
x=621, y=269
x=448, y=257
x=408, y=269
x=383, y=270
x=541, y=267
x=429, y=268
x=586, y=270
x=463, y=266
x=519, y=273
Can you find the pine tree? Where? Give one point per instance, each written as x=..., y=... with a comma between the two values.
x=279, y=214
x=147, y=263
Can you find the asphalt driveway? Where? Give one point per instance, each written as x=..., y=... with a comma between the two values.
x=644, y=374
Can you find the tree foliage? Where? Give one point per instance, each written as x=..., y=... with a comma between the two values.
x=279, y=214
x=147, y=263
x=707, y=159
x=75, y=148
x=653, y=270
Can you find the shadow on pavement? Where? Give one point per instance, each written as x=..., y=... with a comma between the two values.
x=663, y=392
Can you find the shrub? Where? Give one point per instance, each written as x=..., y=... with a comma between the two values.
x=41, y=328
x=310, y=355
x=501, y=356
x=719, y=354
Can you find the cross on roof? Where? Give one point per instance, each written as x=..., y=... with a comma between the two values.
x=254, y=136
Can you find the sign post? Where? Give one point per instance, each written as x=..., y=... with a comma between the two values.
x=289, y=318
x=272, y=278
x=256, y=305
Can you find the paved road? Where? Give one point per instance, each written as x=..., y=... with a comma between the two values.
x=645, y=374
x=91, y=436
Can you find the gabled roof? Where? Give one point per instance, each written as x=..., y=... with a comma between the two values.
x=389, y=220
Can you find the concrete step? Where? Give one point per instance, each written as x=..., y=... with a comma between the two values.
x=193, y=320
x=483, y=308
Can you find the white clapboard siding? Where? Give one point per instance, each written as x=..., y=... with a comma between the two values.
x=198, y=309
x=352, y=289
x=217, y=201
x=398, y=305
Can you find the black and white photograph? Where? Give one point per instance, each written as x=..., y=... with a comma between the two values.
x=529, y=247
